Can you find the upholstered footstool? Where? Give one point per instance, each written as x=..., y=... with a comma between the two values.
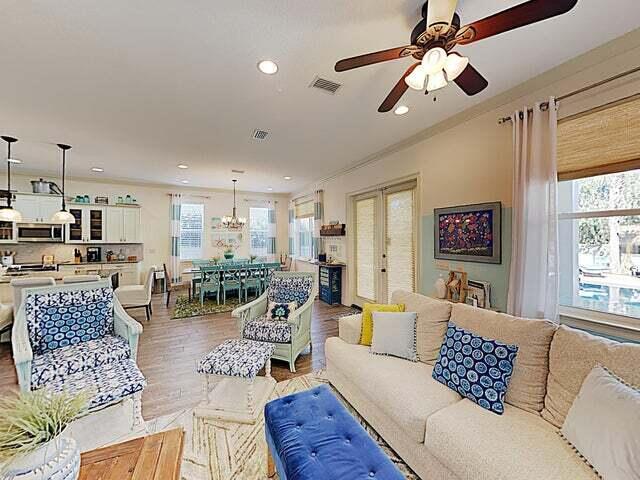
x=311, y=436
x=228, y=427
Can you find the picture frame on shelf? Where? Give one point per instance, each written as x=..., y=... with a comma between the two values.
x=469, y=233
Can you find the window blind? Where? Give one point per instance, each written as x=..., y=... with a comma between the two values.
x=365, y=248
x=304, y=209
x=601, y=141
x=400, y=247
x=191, y=228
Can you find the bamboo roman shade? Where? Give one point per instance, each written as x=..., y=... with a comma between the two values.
x=304, y=209
x=604, y=140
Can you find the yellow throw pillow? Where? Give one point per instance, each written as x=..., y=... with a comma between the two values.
x=366, y=334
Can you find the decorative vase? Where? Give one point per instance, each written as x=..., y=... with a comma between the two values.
x=228, y=255
x=58, y=459
x=441, y=288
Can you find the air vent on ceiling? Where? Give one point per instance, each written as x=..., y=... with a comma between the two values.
x=259, y=134
x=325, y=85
x=237, y=171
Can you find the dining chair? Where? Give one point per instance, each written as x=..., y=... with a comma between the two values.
x=81, y=278
x=253, y=279
x=231, y=280
x=210, y=282
x=137, y=296
x=171, y=286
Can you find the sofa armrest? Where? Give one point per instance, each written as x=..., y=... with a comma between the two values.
x=349, y=328
x=126, y=327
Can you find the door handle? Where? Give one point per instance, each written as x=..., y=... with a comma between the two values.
x=383, y=270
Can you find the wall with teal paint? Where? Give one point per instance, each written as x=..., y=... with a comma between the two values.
x=496, y=275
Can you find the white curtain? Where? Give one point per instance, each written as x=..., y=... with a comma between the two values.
x=318, y=219
x=176, y=206
x=533, y=280
x=271, y=235
x=292, y=228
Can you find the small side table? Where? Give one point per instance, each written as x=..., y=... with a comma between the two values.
x=228, y=425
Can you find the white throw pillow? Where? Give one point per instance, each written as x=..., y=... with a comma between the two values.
x=394, y=333
x=603, y=425
x=280, y=311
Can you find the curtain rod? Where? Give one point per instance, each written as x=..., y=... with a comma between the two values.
x=312, y=194
x=580, y=90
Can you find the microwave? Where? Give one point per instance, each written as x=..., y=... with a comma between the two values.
x=40, y=232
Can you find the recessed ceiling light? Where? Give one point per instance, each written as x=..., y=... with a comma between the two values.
x=13, y=160
x=270, y=189
x=268, y=67
x=287, y=177
x=184, y=181
x=97, y=169
x=183, y=166
x=401, y=110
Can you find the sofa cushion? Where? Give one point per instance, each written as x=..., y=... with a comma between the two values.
x=58, y=319
x=77, y=358
x=431, y=325
x=476, y=444
x=573, y=355
x=402, y=390
x=476, y=367
x=528, y=383
x=262, y=329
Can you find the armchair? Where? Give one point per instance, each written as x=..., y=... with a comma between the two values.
x=290, y=336
x=77, y=337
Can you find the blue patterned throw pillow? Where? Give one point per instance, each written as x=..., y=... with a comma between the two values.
x=477, y=368
x=280, y=311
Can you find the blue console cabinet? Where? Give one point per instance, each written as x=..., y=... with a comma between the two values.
x=330, y=283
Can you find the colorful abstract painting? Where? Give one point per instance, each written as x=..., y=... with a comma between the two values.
x=468, y=233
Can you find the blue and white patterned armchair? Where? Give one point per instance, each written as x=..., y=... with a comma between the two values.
x=290, y=336
x=77, y=337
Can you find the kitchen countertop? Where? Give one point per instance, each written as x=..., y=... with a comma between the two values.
x=113, y=262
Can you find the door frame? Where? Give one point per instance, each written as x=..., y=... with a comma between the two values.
x=373, y=190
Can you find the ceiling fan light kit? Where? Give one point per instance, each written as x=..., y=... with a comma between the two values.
x=438, y=33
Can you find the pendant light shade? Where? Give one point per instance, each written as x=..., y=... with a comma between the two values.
x=7, y=212
x=63, y=216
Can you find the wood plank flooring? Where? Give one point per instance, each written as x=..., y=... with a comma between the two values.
x=169, y=350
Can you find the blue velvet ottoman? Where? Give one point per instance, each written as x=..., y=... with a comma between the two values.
x=312, y=436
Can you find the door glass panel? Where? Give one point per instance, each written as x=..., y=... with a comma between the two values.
x=400, y=243
x=95, y=224
x=365, y=248
x=75, y=229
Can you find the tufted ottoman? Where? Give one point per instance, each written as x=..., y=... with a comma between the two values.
x=312, y=436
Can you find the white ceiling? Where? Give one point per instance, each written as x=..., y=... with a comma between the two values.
x=140, y=86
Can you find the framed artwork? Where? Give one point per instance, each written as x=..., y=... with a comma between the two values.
x=469, y=233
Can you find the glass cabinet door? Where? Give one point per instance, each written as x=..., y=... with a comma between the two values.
x=96, y=224
x=75, y=229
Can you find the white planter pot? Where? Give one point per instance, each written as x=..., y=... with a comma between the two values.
x=58, y=459
x=441, y=288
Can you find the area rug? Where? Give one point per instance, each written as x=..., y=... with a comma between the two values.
x=195, y=469
x=186, y=308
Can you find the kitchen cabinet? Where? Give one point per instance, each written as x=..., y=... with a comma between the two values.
x=37, y=208
x=123, y=225
x=89, y=227
x=8, y=232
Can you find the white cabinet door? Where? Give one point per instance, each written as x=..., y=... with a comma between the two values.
x=131, y=225
x=94, y=226
x=115, y=224
x=29, y=207
x=48, y=206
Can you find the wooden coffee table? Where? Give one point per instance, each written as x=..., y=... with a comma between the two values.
x=154, y=457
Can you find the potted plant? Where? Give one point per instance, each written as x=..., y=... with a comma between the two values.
x=228, y=253
x=252, y=258
x=32, y=440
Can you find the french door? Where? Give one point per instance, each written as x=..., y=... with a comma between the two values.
x=385, y=225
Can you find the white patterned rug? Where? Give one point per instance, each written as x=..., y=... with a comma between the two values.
x=196, y=469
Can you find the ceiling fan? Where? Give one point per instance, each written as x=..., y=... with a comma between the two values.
x=433, y=41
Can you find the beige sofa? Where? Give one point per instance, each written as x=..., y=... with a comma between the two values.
x=443, y=436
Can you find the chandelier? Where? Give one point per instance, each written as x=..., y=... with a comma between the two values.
x=233, y=222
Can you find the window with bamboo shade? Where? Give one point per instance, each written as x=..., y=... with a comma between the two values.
x=603, y=140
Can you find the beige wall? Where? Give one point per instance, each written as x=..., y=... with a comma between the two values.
x=468, y=159
x=155, y=202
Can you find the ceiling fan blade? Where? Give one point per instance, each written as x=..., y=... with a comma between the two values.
x=471, y=81
x=375, y=57
x=396, y=92
x=515, y=17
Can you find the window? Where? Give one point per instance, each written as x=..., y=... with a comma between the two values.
x=304, y=237
x=365, y=248
x=599, y=231
x=191, y=228
x=259, y=230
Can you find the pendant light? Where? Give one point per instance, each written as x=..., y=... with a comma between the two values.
x=7, y=212
x=63, y=216
x=233, y=222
